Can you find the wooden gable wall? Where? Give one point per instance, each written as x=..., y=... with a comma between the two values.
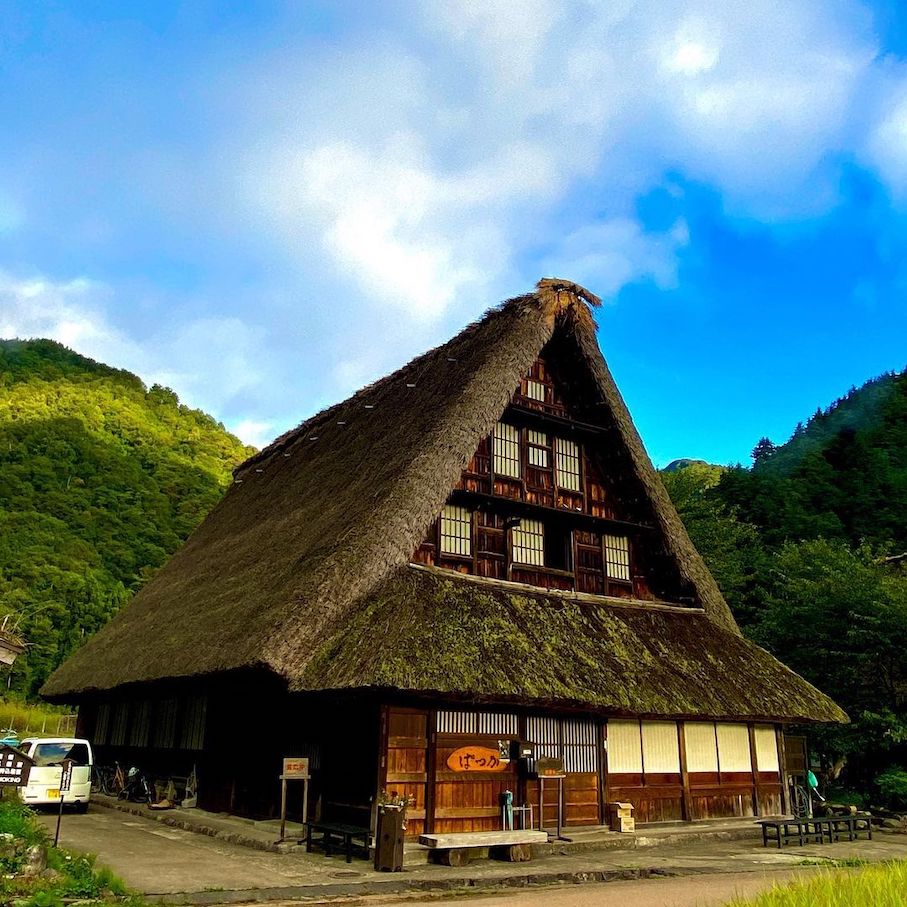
x=579, y=513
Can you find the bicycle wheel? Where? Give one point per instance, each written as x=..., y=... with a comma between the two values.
x=800, y=801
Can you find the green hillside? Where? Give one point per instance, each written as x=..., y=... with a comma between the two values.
x=101, y=479
x=805, y=547
x=842, y=475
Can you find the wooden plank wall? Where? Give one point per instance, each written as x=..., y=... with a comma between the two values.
x=405, y=766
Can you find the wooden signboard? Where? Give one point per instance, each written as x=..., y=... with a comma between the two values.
x=296, y=769
x=15, y=766
x=549, y=766
x=476, y=759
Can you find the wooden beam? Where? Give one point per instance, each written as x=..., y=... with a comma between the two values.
x=752, y=735
x=431, y=770
x=686, y=804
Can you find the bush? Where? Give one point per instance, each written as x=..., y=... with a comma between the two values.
x=74, y=876
x=892, y=785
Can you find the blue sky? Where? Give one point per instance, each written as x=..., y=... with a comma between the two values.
x=266, y=205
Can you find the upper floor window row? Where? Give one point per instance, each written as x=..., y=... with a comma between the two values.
x=541, y=451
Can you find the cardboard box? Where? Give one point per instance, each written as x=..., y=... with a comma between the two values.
x=620, y=810
x=624, y=825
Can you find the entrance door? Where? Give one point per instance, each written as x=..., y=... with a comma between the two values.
x=468, y=783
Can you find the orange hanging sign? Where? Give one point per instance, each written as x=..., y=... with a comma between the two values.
x=476, y=759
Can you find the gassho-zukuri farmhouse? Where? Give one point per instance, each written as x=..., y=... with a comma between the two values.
x=471, y=554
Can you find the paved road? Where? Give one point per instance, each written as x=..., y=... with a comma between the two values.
x=157, y=859
x=686, y=891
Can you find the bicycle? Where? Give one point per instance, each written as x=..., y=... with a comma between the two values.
x=109, y=780
x=803, y=789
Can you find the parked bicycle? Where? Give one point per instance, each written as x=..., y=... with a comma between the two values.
x=138, y=788
x=107, y=779
x=803, y=791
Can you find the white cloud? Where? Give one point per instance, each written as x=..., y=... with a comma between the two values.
x=253, y=431
x=886, y=145
x=611, y=255
x=212, y=363
x=424, y=165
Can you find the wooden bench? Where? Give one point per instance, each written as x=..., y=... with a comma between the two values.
x=456, y=849
x=352, y=836
x=815, y=830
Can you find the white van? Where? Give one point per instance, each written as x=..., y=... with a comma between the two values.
x=44, y=780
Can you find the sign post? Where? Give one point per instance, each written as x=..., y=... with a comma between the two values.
x=294, y=769
x=65, y=784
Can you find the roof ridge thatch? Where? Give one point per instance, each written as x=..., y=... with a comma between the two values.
x=314, y=527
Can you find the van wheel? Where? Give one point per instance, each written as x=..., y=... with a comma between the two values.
x=82, y=807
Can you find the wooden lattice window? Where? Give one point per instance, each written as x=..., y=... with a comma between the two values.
x=165, y=723
x=529, y=543
x=617, y=557
x=567, y=462
x=456, y=531
x=535, y=390
x=506, y=450
x=192, y=736
x=102, y=723
x=537, y=442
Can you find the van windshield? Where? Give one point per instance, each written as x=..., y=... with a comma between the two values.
x=55, y=753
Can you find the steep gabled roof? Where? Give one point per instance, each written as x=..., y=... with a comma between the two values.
x=323, y=517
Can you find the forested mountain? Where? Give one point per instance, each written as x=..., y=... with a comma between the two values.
x=842, y=475
x=805, y=547
x=101, y=479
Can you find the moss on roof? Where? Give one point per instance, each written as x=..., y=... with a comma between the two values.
x=426, y=630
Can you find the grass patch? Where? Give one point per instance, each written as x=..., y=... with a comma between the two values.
x=65, y=878
x=880, y=885
x=34, y=719
x=844, y=862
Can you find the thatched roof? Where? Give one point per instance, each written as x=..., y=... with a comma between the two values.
x=427, y=630
x=318, y=521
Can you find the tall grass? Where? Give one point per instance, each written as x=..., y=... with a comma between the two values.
x=882, y=885
x=34, y=718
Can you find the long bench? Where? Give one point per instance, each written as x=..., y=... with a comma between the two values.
x=816, y=830
x=456, y=849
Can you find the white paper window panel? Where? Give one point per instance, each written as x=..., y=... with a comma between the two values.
x=529, y=543
x=701, y=745
x=567, y=462
x=660, y=747
x=535, y=390
x=624, y=747
x=506, y=448
x=766, y=748
x=538, y=448
x=456, y=530
x=733, y=748
x=617, y=556
x=449, y=722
